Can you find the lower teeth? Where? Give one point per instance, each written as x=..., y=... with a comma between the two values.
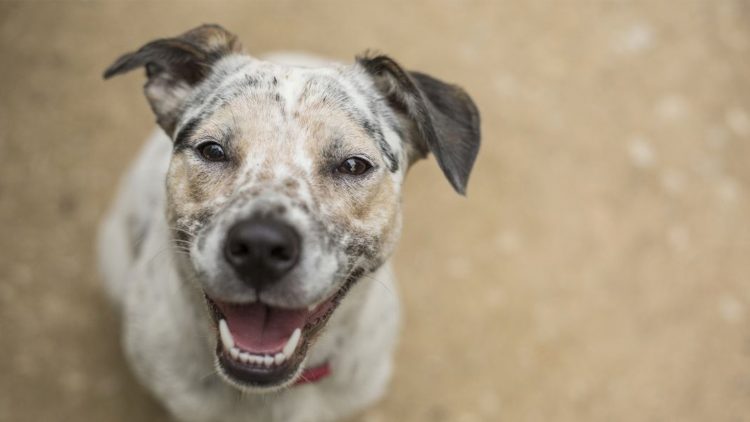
x=264, y=360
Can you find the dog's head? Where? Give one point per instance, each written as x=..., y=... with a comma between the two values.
x=284, y=184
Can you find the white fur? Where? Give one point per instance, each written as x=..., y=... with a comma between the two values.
x=169, y=340
x=166, y=332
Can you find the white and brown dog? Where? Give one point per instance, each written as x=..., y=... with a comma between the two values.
x=256, y=285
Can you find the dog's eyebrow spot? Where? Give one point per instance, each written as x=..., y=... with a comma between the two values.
x=185, y=132
x=374, y=131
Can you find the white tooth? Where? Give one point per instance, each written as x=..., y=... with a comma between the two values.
x=255, y=359
x=268, y=360
x=226, y=336
x=280, y=357
x=291, y=344
x=235, y=352
x=310, y=308
x=244, y=357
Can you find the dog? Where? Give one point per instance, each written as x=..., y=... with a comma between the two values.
x=248, y=247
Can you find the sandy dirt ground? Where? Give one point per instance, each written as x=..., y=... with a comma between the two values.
x=598, y=270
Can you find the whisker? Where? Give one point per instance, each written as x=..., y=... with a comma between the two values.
x=212, y=373
x=159, y=254
x=379, y=282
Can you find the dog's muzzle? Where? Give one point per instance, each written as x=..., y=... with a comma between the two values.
x=260, y=345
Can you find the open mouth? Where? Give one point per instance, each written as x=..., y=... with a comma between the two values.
x=265, y=346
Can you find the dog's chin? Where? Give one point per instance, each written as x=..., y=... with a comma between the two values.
x=262, y=348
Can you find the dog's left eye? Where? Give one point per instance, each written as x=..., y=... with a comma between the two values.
x=354, y=166
x=212, y=151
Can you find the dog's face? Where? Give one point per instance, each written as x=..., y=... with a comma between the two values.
x=284, y=185
x=294, y=154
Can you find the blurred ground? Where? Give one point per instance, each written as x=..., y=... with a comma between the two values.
x=599, y=269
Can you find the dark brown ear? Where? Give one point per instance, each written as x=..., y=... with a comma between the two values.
x=444, y=118
x=174, y=66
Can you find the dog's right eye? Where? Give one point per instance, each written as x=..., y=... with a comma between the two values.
x=212, y=151
x=354, y=166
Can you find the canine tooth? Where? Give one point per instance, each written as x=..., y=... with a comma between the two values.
x=268, y=360
x=291, y=344
x=279, y=358
x=235, y=352
x=226, y=336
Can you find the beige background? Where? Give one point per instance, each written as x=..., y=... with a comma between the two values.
x=599, y=269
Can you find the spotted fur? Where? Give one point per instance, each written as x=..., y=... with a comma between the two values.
x=285, y=130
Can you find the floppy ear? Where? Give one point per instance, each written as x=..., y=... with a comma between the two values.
x=443, y=117
x=174, y=66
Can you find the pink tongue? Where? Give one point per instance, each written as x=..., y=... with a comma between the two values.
x=259, y=328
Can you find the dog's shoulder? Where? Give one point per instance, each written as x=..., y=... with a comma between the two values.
x=141, y=195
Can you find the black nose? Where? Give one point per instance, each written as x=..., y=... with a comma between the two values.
x=262, y=250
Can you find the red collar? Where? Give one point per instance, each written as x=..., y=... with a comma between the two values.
x=315, y=374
